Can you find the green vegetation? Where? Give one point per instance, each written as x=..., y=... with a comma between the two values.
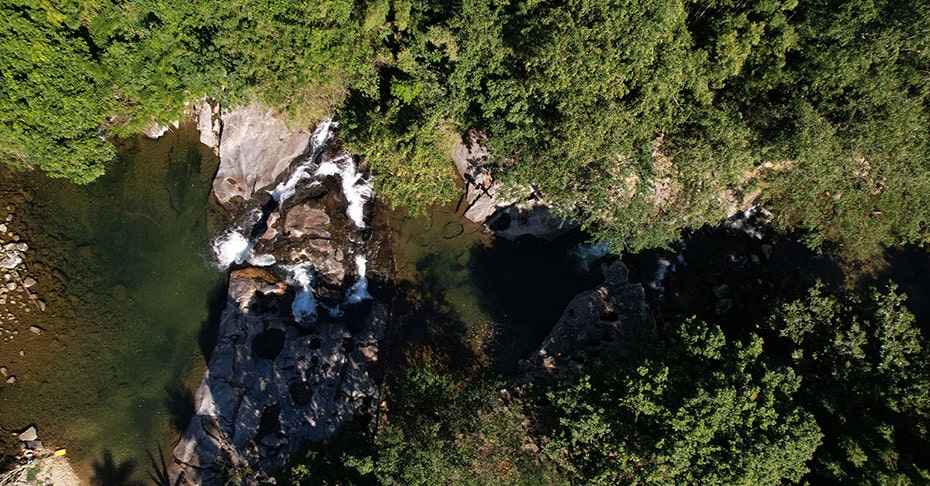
x=638, y=118
x=837, y=392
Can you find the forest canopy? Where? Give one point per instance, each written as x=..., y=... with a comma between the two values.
x=639, y=119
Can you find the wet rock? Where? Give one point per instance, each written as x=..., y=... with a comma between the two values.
x=255, y=148
x=767, y=251
x=4, y=371
x=723, y=306
x=41, y=305
x=11, y=285
x=29, y=282
x=303, y=220
x=35, y=329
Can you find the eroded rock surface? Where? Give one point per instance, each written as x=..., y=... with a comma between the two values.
x=509, y=212
x=255, y=148
x=605, y=319
x=297, y=350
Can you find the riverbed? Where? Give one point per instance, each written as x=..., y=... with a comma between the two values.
x=124, y=271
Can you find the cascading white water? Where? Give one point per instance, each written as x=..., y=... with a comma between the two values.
x=359, y=290
x=233, y=247
x=357, y=190
x=304, y=306
x=321, y=136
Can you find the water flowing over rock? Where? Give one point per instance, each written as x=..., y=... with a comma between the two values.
x=255, y=148
x=297, y=350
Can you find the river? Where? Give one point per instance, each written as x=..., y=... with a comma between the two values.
x=123, y=265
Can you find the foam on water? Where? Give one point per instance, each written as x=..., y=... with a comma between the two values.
x=357, y=190
x=359, y=290
x=231, y=248
x=321, y=136
x=304, y=307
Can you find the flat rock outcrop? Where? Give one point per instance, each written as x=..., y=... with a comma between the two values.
x=255, y=148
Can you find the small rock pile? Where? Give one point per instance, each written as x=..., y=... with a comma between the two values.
x=17, y=289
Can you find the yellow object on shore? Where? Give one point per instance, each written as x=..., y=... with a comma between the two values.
x=61, y=452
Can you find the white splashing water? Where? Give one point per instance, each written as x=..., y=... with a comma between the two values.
x=233, y=248
x=658, y=278
x=321, y=136
x=590, y=253
x=359, y=290
x=357, y=190
x=304, y=307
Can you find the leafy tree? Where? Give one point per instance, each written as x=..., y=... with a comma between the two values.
x=695, y=410
x=867, y=380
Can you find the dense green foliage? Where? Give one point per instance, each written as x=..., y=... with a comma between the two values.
x=838, y=392
x=866, y=376
x=698, y=410
x=637, y=118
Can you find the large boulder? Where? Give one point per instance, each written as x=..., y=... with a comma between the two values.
x=511, y=212
x=607, y=318
x=256, y=147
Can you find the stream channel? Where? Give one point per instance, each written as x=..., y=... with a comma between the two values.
x=131, y=290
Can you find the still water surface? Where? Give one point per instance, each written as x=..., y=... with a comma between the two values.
x=124, y=266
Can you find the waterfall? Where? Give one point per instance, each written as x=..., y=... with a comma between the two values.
x=304, y=307
x=359, y=290
x=321, y=136
x=357, y=190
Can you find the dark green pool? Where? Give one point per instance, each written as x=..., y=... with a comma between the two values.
x=124, y=266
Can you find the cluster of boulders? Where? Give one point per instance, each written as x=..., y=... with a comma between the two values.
x=606, y=319
x=17, y=289
x=297, y=353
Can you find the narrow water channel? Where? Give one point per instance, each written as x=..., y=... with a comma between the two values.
x=123, y=265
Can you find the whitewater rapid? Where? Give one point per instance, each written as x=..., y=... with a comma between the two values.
x=235, y=247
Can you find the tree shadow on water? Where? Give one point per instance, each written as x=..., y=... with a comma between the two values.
x=108, y=473
x=159, y=469
x=421, y=318
x=179, y=400
x=209, y=330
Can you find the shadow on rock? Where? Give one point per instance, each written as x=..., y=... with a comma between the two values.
x=108, y=473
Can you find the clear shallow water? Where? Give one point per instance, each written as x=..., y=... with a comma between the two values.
x=124, y=266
